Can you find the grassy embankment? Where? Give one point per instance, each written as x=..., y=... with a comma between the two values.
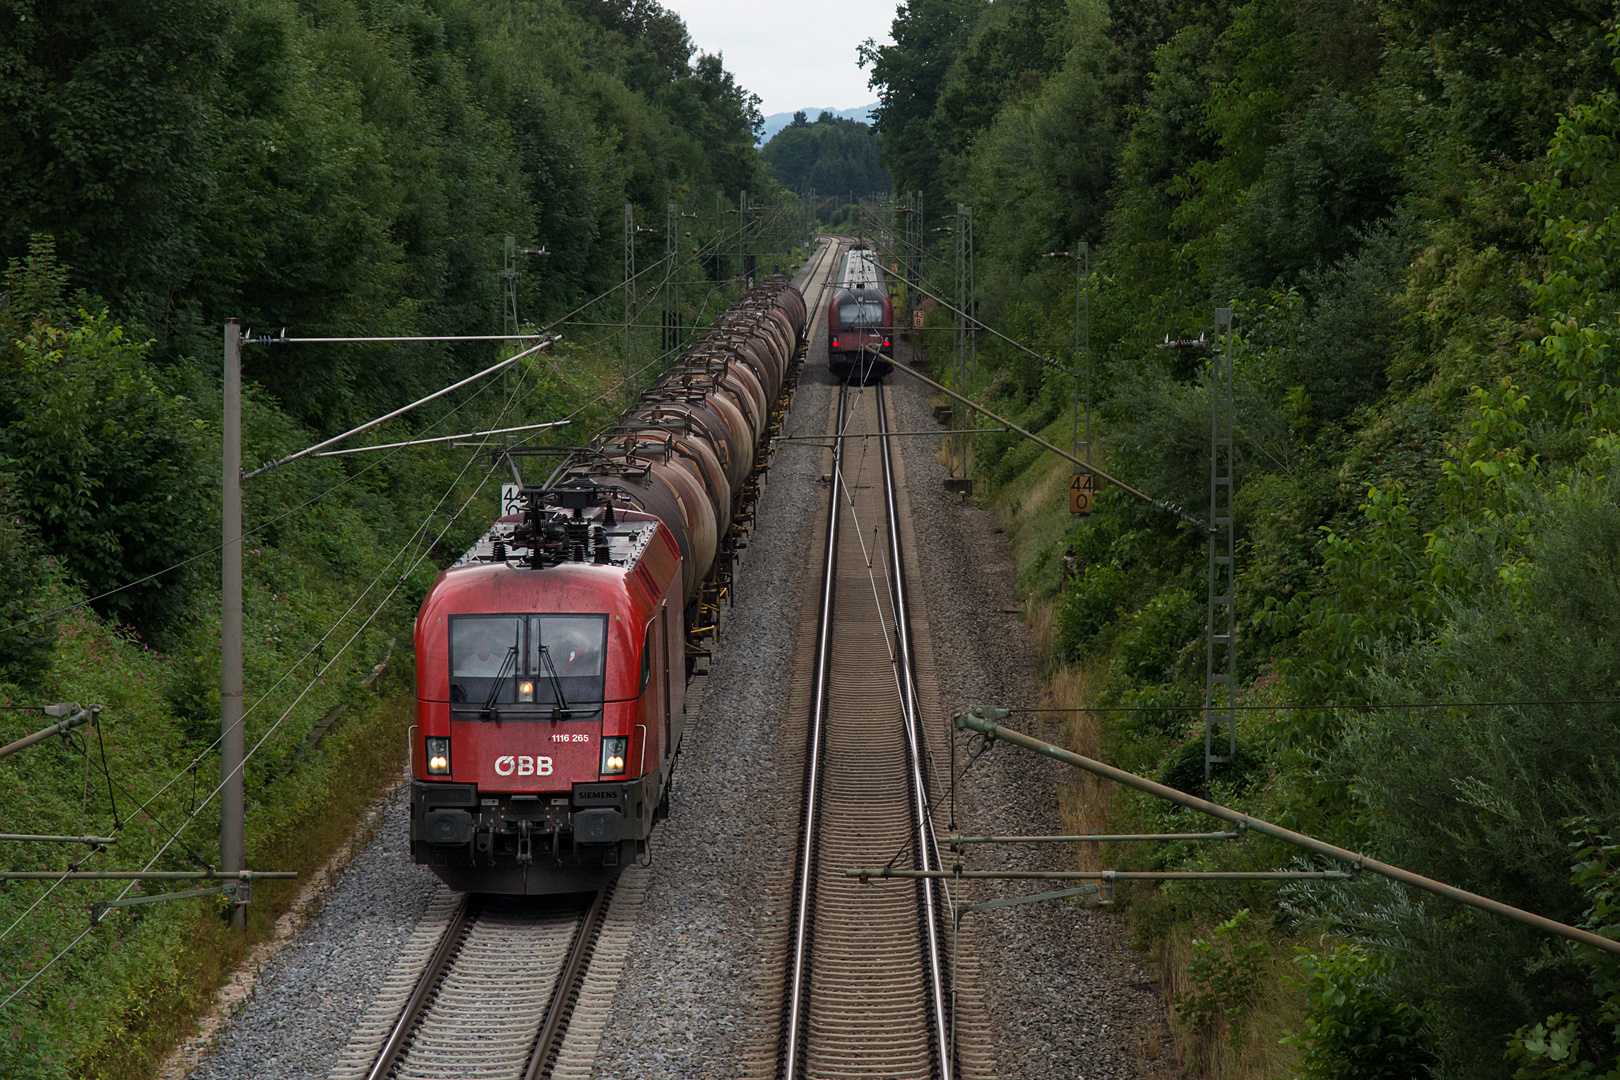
x=1028, y=489
x=118, y=1000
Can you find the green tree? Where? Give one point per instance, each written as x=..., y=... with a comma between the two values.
x=103, y=456
x=910, y=76
x=106, y=139
x=834, y=155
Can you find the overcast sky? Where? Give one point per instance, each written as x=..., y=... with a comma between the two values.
x=792, y=53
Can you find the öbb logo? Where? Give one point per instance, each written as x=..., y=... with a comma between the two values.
x=524, y=766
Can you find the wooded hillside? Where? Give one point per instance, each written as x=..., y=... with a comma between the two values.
x=337, y=167
x=831, y=155
x=1411, y=208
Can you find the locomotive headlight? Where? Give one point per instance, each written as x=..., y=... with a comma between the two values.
x=526, y=690
x=614, y=750
x=438, y=756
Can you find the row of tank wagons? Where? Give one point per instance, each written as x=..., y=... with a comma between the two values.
x=860, y=319
x=564, y=723
x=686, y=449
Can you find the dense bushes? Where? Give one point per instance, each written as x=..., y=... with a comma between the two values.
x=1418, y=244
x=102, y=457
x=333, y=168
x=347, y=168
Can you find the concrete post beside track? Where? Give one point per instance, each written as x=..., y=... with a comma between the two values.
x=232, y=812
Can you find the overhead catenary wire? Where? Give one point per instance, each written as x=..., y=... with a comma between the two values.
x=975, y=324
x=442, y=438
x=174, y=836
x=214, y=549
x=142, y=809
x=399, y=583
x=260, y=527
x=402, y=410
x=1158, y=504
x=263, y=697
x=201, y=554
x=283, y=339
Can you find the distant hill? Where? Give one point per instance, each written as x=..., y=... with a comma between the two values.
x=777, y=121
x=832, y=154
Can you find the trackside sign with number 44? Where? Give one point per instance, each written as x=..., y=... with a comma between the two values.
x=511, y=500
x=1083, y=488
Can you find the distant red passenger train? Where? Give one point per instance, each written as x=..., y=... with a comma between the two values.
x=551, y=658
x=860, y=320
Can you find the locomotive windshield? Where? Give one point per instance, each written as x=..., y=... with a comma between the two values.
x=860, y=314
x=528, y=664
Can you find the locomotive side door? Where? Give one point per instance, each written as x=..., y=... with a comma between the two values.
x=664, y=659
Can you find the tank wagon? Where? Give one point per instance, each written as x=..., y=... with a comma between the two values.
x=860, y=319
x=552, y=657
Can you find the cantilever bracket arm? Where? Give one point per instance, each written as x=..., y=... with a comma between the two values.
x=98, y=910
x=988, y=721
x=74, y=716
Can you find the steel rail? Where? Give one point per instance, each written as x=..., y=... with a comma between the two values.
x=559, y=1006
x=865, y=872
x=1091, y=838
x=923, y=838
x=561, y=1009
x=410, y=1017
x=793, y=1021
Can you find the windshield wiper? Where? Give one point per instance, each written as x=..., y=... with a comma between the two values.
x=556, y=683
x=508, y=665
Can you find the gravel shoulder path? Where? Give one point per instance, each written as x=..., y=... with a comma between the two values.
x=310, y=996
x=1068, y=997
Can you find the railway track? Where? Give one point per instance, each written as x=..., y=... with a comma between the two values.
x=867, y=990
x=494, y=999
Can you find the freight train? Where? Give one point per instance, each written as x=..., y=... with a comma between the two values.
x=860, y=319
x=552, y=657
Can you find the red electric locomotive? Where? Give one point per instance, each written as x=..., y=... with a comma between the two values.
x=551, y=658
x=860, y=320
x=551, y=697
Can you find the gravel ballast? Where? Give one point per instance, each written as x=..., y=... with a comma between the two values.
x=309, y=997
x=688, y=1010
x=1067, y=998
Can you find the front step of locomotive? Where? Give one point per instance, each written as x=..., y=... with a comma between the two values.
x=531, y=844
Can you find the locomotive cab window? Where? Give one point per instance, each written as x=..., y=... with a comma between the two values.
x=860, y=314
x=646, y=660
x=528, y=666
